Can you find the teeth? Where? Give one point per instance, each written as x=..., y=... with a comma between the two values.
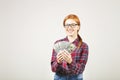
x=70, y=31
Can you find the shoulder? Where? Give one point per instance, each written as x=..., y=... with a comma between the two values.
x=84, y=45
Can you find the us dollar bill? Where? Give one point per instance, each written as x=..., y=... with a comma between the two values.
x=64, y=45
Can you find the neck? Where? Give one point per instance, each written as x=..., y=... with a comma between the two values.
x=72, y=38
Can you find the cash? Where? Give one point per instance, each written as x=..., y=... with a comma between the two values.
x=64, y=45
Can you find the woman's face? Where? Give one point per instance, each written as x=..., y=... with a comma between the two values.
x=71, y=27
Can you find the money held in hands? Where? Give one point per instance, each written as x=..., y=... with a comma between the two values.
x=64, y=45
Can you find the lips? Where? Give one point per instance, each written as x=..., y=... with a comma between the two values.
x=70, y=31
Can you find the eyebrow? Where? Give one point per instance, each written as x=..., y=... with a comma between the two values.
x=71, y=23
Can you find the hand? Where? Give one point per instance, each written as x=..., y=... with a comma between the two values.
x=60, y=57
x=67, y=56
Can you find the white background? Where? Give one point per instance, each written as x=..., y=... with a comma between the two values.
x=28, y=29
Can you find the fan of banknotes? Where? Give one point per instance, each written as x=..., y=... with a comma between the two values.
x=64, y=45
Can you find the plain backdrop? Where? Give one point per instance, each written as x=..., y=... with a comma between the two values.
x=28, y=29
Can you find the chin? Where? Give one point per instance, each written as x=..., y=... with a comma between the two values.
x=70, y=34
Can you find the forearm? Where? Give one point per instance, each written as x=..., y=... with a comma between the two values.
x=76, y=68
x=54, y=66
x=78, y=65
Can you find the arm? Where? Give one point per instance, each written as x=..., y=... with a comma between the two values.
x=79, y=66
x=54, y=63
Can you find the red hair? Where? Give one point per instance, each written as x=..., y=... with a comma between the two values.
x=76, y=19
x=72, y=16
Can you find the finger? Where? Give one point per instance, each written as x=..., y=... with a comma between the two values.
x=60, y=53
x=59, y=56
x=66, y=54
x=60, y=59
x=68, y=59
x=66, y=51
x=65, y=57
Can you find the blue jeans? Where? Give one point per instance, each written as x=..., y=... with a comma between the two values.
x=72, y=77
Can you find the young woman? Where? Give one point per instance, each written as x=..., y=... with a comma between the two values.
x=70, y=66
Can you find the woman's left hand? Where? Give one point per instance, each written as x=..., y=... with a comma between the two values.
x=67, y=57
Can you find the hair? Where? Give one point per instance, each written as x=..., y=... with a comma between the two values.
x=77, y=20
x=72, y=16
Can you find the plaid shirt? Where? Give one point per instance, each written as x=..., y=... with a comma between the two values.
x=79, y=59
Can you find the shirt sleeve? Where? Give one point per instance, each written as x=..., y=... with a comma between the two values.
x=54, y=63
x=78, y=67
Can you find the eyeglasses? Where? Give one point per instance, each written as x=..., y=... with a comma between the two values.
x=73, y=25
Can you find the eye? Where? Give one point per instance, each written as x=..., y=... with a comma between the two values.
x=73, y=25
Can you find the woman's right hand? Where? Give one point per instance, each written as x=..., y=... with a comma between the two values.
x=59, y=57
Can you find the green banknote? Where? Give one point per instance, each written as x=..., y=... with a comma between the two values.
x=64, y=45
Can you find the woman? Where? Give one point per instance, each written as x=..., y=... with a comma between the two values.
x=70, y=66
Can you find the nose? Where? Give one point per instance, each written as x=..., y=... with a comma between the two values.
x=69, y=26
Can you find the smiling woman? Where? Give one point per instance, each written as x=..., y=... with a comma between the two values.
x=70, y=65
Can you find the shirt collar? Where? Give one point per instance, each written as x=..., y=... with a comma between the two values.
x=76, y=41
